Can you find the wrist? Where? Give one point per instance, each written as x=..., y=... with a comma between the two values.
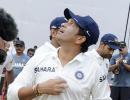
x=36, y=90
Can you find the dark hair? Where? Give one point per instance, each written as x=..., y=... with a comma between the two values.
x=3, y=55
x=31, y=49
x=51, y=33
x=50, y=37
x=84, y=46
x=17, y=38
x=35, y=47
x=8, y=27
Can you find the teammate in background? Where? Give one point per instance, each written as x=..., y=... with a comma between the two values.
x=109, y=43
x=103, y=53
x=65, y=75
x=120, y=66
x=53, y=44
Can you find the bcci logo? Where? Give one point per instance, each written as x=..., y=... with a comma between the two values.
x=79, y=75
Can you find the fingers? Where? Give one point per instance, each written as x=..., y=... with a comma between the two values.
x=60, y=89
x=61, y=86
x=59, y=81
x=53, y=86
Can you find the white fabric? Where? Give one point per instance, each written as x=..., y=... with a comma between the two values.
x=47, y=47
x=104, y=63
x=12, y=50
x=7, y=64
x=83, y=75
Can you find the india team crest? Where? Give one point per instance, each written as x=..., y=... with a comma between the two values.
x=79, y=75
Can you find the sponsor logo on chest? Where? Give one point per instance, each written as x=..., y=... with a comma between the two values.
x=18, y=65
x=44, y=69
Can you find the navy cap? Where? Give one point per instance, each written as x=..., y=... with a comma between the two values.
x=19, y=42
x=122, y=44
x=86, y=23
x=111, y=40
x=56, y=23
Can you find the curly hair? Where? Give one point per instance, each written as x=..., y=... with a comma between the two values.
x=8, y=27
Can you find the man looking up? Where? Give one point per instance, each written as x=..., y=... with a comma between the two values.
x=65, y=74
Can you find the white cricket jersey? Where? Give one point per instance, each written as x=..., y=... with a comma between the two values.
x=104, y=63
x=7, y=64
x=83, y=75
x=46, y=47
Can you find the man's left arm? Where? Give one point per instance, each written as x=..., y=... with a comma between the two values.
x=9, y=70
x=9, y=77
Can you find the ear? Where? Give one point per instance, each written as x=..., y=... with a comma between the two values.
x=102, y=45
x=53, y=32
x=80, y=39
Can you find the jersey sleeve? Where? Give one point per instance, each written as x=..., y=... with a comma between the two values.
x=112, y=60
x=8, y=63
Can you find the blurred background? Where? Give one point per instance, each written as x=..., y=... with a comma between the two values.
x=34, y=16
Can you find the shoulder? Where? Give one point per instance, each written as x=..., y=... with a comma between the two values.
x=90, y=52
x=8, y=59
x=45, y=48
x=115, y=56
x=91, y=61
x=92, y=56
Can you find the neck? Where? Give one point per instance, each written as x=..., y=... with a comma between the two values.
x=54, y=43
x=19, y=54
x=67, y=54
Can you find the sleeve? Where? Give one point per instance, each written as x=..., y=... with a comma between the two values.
x=101, y=88
x=128, y=59
x=112, y=60
x=25, y=78
x=8, y=63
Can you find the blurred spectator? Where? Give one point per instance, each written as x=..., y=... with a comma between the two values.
x=30, y=52
x=35, y=47
x=120, y=65
x=19, y=59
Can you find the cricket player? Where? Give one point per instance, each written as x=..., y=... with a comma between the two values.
x=67, y=74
